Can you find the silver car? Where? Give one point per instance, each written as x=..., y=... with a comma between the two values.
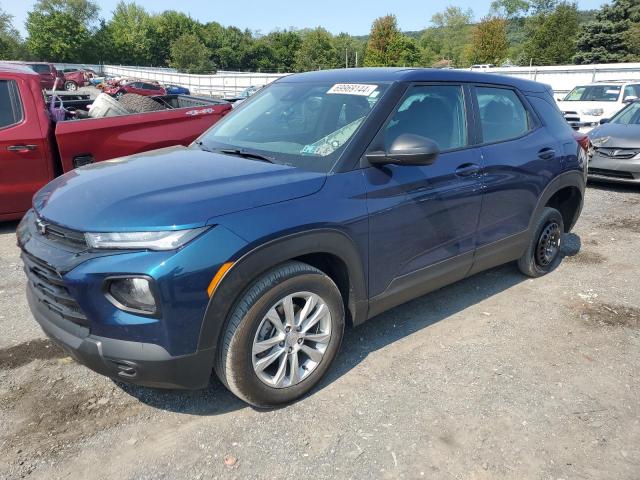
x=614, y=155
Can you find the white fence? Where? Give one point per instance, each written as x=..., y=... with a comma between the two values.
x=563, y=78
x=222, y=84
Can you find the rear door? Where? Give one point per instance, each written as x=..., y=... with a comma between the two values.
x=423, y=219
x=24, y=159
x=520, y=157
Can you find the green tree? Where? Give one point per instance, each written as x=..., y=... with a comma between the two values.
x=130, y=31
x=452, y=28
x=383, y=34
x=404, y=51
x=348, y=48
x=612, y=37
x=189, y=54
x=11, y=46
x=283, y=46
x=166, y=28
x=552, y=35
x=317, y=51
x=489, y=43
x=230, y=46
x=60, y=30
x=509, y=8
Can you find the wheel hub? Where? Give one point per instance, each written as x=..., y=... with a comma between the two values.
x=291, y=339
x=548, y=244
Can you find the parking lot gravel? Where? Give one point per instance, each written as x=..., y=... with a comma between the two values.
x=496, y=377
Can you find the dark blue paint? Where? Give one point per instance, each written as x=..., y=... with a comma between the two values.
x=399, y=218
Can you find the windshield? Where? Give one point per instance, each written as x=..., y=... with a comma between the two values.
x=594, y=93
x=305, y=125
x=629, y=115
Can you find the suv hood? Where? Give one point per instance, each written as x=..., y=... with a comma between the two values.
x=171, y=188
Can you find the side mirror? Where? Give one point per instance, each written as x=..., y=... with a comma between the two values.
x=630, y=99
x=604, y=120
x=407, y=149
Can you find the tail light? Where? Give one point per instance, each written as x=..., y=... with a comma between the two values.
x=583, y=140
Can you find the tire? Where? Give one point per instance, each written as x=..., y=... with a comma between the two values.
x=70, y=86
x=106, y=106
x=543, y=254
x=237, y=364
x=135, y=103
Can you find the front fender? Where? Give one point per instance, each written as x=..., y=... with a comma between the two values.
x=259, y=259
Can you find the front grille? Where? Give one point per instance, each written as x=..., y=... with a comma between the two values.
x=572, y=119
x=618, y=153
x=61, y=235
x=602, y=172
x=51, y=291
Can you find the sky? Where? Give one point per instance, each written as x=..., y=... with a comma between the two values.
x=266, y=15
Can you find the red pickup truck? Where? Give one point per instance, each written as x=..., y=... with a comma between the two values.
x=34, y=148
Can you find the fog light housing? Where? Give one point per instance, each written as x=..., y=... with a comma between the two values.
x=132, y=294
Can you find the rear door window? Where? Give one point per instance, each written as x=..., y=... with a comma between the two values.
x=11, y=112
x=436, y=112
x=502, y=115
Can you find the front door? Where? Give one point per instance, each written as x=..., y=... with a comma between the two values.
x=23, y=158
x=423, y=219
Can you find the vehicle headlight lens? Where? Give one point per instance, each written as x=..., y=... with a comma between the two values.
x=133, y=293
x=595, y=112
x=598, y=142
x=166, y=240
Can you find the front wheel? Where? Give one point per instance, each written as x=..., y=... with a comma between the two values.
x=543, y=254
x=70, y=86
x=282, y=336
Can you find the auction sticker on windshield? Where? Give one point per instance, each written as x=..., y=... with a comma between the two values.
x=353, y=89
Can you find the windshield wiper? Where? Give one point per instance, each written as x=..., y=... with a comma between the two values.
x=244, y=154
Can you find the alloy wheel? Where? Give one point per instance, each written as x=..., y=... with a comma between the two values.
x=291, y=339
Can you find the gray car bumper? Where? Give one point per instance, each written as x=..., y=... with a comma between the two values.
x=614, y=170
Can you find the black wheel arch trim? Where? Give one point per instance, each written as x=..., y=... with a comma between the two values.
x=571, y=178
x=267, y=255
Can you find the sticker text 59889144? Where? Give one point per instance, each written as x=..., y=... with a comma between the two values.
x=353, y=89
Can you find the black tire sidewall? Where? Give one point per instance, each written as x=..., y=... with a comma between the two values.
x=531, y=267
x=70, y=89
x=240, y=351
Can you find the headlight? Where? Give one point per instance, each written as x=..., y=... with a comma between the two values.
x=167, y=240
x=132, y=294
x=598, y=142
x=594, y=112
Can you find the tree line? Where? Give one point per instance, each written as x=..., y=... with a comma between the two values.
x=518, y=32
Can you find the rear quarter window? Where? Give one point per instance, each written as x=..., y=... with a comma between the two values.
x=502, y=115
x=551, y=115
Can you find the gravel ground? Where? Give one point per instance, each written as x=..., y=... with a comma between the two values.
x=496, y=377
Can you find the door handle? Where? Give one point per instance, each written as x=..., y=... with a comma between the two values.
x=22, y=148
x=468, y=170
x=547, y=154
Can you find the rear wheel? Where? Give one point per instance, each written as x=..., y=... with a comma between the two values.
x=543, y=254
x=70, y=86
x=282, y=335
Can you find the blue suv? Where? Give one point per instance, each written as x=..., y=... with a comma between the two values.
x=324, y=200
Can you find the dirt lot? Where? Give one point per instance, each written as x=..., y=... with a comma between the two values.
x=496, y=377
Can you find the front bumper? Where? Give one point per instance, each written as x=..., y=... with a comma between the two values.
x=140, y=363
x=614, y=170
